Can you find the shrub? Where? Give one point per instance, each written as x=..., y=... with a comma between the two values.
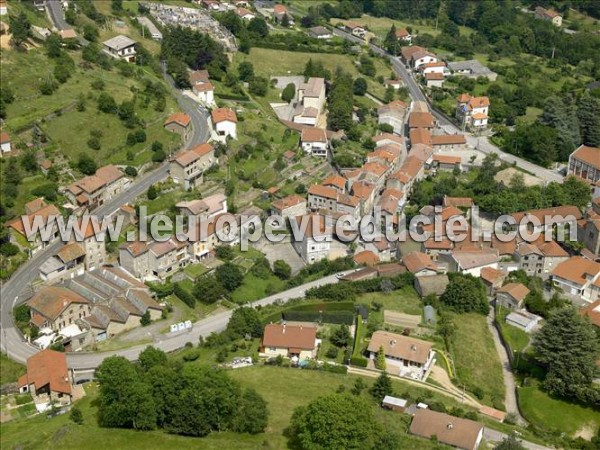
x=131, y=171
x=192, y=355
x=184, y=295
x=332, y=352
x=359, y=361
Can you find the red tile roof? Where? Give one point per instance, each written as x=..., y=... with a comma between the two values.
x=179, y=118
x=51, y=301
x=223, y=114
x=289, y=336
x=367, y=258
x=421, y=120
x=47, y=368
x=589, y=155
x=313, y=134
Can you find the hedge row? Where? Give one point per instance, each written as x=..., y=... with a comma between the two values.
x=338, y=317
x=359, y=361
x=349, y=290
x=239, y=98
x=184, y=295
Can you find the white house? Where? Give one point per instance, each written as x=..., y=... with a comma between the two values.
x=225, y=122
x=472, y=111
x=548, y=14
x=205, y=93
x=3, y=8
x=578, y=277
x=433, y=67
x=120, y=47
x=405, y=356
x=404, y=36
x=314, y=141
x=312, y=243
x=423, y=57
x=244, y=14
x=4, y=143
x=295, y=342
x=355, y=29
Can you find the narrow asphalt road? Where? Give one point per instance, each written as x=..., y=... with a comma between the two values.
x=12, y=342
x=480, y=143
x=57, y=15
x=510, y=386
x=169, y=342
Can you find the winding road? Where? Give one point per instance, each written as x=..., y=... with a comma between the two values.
x=481, y=143
x=12, y=342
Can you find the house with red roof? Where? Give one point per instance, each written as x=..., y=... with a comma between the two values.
x=179, y=123
x=584, y=163
x=472, y=111
x=47, y=379
x=5, y=146
x=290, y=341
x=225, y=122
x=187, y=168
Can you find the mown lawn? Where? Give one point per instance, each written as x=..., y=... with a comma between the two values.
x=270, y=63
x=404, y=300
x=475, y=358
x=10, y=371
x=558, y=415
x=517, y=339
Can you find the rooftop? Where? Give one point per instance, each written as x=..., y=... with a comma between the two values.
x=399, y=346
x=119, y=42
x=450, y=430
x=289, y=336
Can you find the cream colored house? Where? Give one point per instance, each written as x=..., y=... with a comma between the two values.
x=289, y=341
x=188, y=167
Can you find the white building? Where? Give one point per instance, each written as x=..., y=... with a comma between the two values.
x=312, y=243
x=404, y=356
x=225, y=122
x=578, y=277
x=205, y=93
x=5, y=146
x=473, y=111
x=523, y=320
x=314, y=141
x=120, y=47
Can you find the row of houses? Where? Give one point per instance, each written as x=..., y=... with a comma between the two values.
x=97, y=304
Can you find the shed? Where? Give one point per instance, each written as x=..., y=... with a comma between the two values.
x=429, y=314
x=434, y=284
x=394, y=403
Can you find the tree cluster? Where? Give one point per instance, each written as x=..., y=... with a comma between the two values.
x=464, y=294
x=182, y=399
x=183, y=48
x=340, y=102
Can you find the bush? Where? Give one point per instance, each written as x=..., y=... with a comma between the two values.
x=192, y=355
x=332, y=352
x=184, y=295
x=359, y=361
x=131, y=171
x=76, y=416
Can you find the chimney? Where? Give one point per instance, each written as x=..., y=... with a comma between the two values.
x=449, y=426
x=413, y=347
x=393, y=342
x=283, y=329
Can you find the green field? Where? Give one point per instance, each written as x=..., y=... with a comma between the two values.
x=283, y=389
x=10, y=371
x=516, y=339
x=271, y=63
x=475, y=358
x=381, y=25
x=557, y=415
x=405, y=300
x=67, y=128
